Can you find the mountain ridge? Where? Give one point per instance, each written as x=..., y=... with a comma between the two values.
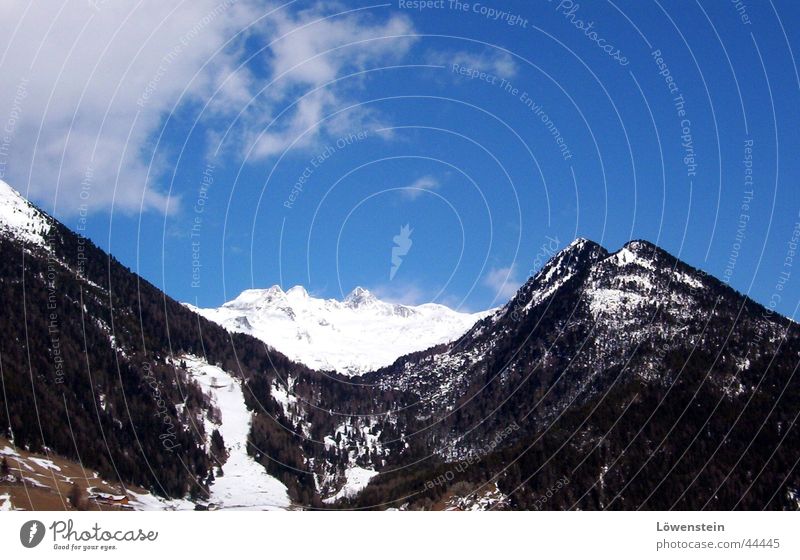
x=593, y=327
x=354, y=335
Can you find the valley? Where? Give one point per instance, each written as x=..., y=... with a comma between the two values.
x=639, y=379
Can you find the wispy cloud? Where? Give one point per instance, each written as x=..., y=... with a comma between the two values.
x=94, y=81
x=308, y=52
x=417, y=188
x=499, y=63
x=405, y=293
x=503, y=281
x=409, y=293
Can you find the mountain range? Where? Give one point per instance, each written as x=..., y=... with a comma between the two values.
x=611, y=380
x=356, y=335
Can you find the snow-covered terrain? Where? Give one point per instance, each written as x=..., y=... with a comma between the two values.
x=20, y=218
x=357, y=479
x=352, y=336
x=245, y=484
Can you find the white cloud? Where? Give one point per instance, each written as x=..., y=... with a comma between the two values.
x=309, y=50
x=87, y=86
x=414, y=190
x=98, y=80
x=503, y=281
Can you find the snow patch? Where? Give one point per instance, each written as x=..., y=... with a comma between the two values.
x=611, y=302
x=357, y=478
x=149, y=502
x=245, y=483
x=45, y=463
x=625, y=256
x=9, y=451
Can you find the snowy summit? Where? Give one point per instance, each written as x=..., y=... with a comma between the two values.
x=20, y=219
x=358, y=334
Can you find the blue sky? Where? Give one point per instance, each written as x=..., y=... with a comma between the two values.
x=230, y=145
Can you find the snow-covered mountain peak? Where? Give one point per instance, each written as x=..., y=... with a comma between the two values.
x=641, y=276
x=358, y=334
x=578, y=255
x=21, y=219
x=626, y=256
x=297, y=292
x=257, y=298
x=641, y=252
x=581, y=245
x=359, y=297
x=643, y=247
x=579, y=242
x=647, y=263
x=637, y=274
